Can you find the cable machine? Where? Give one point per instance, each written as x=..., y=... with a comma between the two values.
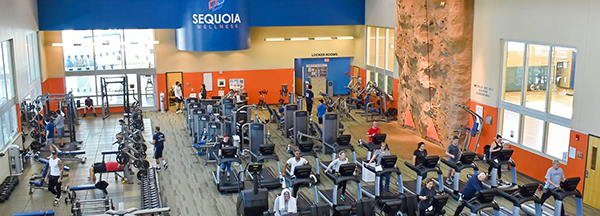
x=122, y=90
x=67, y=105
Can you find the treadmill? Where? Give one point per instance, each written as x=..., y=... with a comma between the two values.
x=464, y=162
x=483, y=200
x=306, y=149
x=569, y=188
x=525, y=193
x=391, y=200
x=372, y=146
x=331, y=197
x=342, y=143
x=267, y=177
x=496, y=163
x=236, y=182
x=302, y=177
x=429, y=165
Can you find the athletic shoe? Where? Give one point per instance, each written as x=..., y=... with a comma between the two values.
x=157, y=168
x=342, y=197
x=166, y=165
x=56, y=201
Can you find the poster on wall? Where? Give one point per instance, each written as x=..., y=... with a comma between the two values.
x=236, y=84
x=208, y=81
x=316, y=70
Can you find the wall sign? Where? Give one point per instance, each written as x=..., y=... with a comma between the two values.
x=214, y=25
x=323, y=54
x=483, y=90
x=316, y=70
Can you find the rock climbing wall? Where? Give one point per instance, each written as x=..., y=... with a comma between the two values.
x=434, y=41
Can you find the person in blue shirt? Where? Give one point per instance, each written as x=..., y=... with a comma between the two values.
x=50, y=134
x=321, y=109
x=473, y=186
x=309, y=99
x=158, y=140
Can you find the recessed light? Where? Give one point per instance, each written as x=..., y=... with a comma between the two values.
x=299, y=39
x=344, y=37
x=274, y=39
x=322, y=38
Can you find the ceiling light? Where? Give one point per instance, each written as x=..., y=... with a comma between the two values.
x=299, y=39
x=57, y=44
x=344, y=37
x=322, y=38
x=274, y=39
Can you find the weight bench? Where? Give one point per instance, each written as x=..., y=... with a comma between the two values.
x=35, y=213
x=116, y=172
x=72, y=195
x=33, y=185
x=72, y=156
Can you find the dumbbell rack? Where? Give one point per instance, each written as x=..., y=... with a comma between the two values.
x=92, y=207
x=150, y=190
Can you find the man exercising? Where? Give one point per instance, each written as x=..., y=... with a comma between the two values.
x=225, y=142
x=285, y=204
x=54, y=176
x=292, y=163
x=158, y=140
x=50, y=135
x=554, y=176
x=473, y=186
x=59, y=122
x=103, y=168
x=453, y=153
x=309, y=99
x=89, y=105
x=374, y=130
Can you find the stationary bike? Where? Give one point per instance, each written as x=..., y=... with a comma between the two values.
x=261, y=101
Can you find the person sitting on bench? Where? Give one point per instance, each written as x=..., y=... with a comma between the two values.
x=473, y=186
x=292, y=163
x=89, y=105
x=104, y=168
x=285, y=204
x=374, y=130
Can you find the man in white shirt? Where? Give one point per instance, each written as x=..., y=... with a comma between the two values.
x=54, y=176
x=178, y=96
x=292, y=163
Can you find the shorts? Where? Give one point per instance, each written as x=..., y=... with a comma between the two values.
x=49, y=141
x=61, y=132
x=99, y=167
x=320, y=120
x=178, y=100
x=158, y=152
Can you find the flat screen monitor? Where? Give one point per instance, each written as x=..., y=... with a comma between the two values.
x=389, y=161
x=467, y=157
x=302, y=171
x=254, y=167
x=431, y=161
x=347, y=169
x=305, y=147
x=505, y=154
x=379, y=138
x=344, y=140
x=228, y=152
x=266, y=149
x=570, y=184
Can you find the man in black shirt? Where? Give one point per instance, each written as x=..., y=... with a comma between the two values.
x=225, y=142
x=89, y=105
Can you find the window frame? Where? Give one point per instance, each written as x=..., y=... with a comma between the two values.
x=382, y=69
x=545, y=116
x=10, y=103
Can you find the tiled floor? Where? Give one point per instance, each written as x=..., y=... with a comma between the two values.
x=97, y=136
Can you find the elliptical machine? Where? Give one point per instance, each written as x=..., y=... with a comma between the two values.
x=255, y=201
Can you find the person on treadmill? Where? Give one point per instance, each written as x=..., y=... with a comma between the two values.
x=334, y=166
x=426, y=196
x=374, y=130
x=453, y=153
x=419, y=156
x=285, y=204
x=225, y=142
x=495, y=149
x=554, y=176
x=103, y=168
x=473, y=186
x=379, y=153
x=292, y=163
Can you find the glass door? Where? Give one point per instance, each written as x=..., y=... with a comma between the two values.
x=147, y=89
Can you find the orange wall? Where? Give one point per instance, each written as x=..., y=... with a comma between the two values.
x=254, y=80
x=54, y=86
x=528, y=163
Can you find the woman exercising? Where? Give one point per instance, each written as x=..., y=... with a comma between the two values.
x=495, y=149
x=104, y=168
x=426, y=196
x=383, y=151
x=419, y=156
x=334, y=166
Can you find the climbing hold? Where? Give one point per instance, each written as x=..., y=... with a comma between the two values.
x=445, y=53
x=442, y=22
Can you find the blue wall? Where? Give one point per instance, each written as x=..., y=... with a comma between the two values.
x=165, y=14
x=108, y=14
x=338, y=71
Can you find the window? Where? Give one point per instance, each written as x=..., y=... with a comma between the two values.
x=536, y=102
x=381, y=82
x=33, y=57
x=381, y=57
x=8, y=124
x=390, y=54
x=390, y=85
x=104, y=50
x=371, y=46
x=381, y=48
x=6, y=79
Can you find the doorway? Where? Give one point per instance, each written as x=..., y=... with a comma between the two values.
x=147, y=90
x=172, y=78
x=591, y=189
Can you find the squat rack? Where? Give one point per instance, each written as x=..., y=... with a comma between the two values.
x=64, y=101
x=104, y=82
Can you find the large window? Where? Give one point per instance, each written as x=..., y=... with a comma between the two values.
x=8, y=113
x=536, y=101
x=104, y=50
x=381, y=57
x=33, y=57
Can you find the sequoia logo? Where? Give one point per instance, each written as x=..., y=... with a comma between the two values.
x=216, y=20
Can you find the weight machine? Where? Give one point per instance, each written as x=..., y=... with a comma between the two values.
x=122, y=90
x=474, y=131
x=65, y=102
x=377, y=102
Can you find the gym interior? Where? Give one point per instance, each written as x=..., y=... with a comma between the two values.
x=230, y=84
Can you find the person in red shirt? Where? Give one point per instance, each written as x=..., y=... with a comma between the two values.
x=104, y=168
x=373, y=131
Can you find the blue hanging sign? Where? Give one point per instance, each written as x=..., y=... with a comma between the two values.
x=214, y=25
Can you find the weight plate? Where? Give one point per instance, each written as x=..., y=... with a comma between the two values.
x=146, y=164
x=142, y=174
x=138, y=164
x=122, y=158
